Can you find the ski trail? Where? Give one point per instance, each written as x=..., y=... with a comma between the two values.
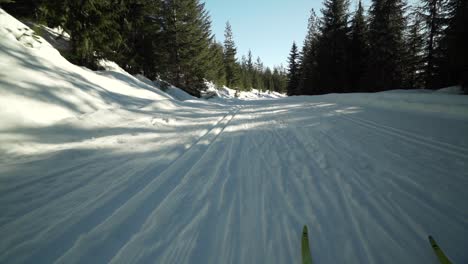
x=241, y=191
x=461, y=153
x=81, y=220
x=130, y=217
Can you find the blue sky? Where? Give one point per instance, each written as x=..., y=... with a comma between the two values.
x=267, y=27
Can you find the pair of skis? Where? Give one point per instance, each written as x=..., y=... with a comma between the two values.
x=307, y=257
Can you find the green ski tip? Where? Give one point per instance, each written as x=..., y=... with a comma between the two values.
x=306, y=256
x=438, y=251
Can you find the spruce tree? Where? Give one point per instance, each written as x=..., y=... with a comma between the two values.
x=387, y=45
x=230, y=61
x=93, y=30
x=358, y=51
x=244, y=81
x=141, y=50
x=433, y=13
x=456, y=41
x=414, y=76
x=332, y=52
x=259, y=84
x=293, y=71
x=250, y=70
x=267, y=80
x=308, y=58
x=188, y=36
x=217, y=73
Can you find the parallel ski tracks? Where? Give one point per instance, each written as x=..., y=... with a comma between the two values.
x=137, y=196
x=134, y=212
x=448, y=148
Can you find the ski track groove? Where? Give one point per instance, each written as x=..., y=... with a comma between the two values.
x=143, y=209
x=58, y=243
x=175, y=196
x=280, y=186
x=417, y=194
x=70, y=190
x=461, y=153
x=49, y=176
x=334, y=176
x=398, y=156
x=78, y=223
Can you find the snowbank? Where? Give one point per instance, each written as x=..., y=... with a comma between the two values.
x=254, y=94
x=39, y=87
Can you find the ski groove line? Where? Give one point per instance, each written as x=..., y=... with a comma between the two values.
x=402, y=183
x=335, y=177
x=138, y=208
x=69, y=190
x=185, y=174
x=108, y=205
x=411, y=134
x=414, y=138
x=199, y=208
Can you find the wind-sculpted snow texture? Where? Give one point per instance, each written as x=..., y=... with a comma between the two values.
x=135, y=176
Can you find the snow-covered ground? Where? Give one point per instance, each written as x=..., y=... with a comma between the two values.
x=100, y=167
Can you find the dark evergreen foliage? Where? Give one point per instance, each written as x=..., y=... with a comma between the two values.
x=22, y=8
x=387, y=45
x=216, y=72
x=187, y=39
x=230, y=60
x=456, y=43
x=308, y=82
x=415, y=62
x=358, y=52
x=434, y=18
x=293, y=71
x=171, y=39
x=332, y=48
x=256, y=76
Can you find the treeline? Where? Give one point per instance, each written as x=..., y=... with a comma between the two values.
x=167, y=39
x=394, y=46
x=248, y=74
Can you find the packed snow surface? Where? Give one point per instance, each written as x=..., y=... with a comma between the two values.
x=100, y=167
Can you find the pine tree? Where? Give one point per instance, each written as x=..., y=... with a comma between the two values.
x=92, y=29
x=358, y=51
x=141, y=50
x=230, y=61
x=308, y=58
x=216, y=72
x=387, y=45
x=267, y=80
x=259, y=84
x=188, y=36
x=293, y=71
x=432, y=11
x=456, y=41
x=415, y=53
x=244, y=81
x=332, y=52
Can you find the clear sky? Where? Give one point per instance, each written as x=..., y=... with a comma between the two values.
x=267, y=27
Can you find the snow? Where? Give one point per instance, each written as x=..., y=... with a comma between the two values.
x=254, y=94
x=100, y=167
